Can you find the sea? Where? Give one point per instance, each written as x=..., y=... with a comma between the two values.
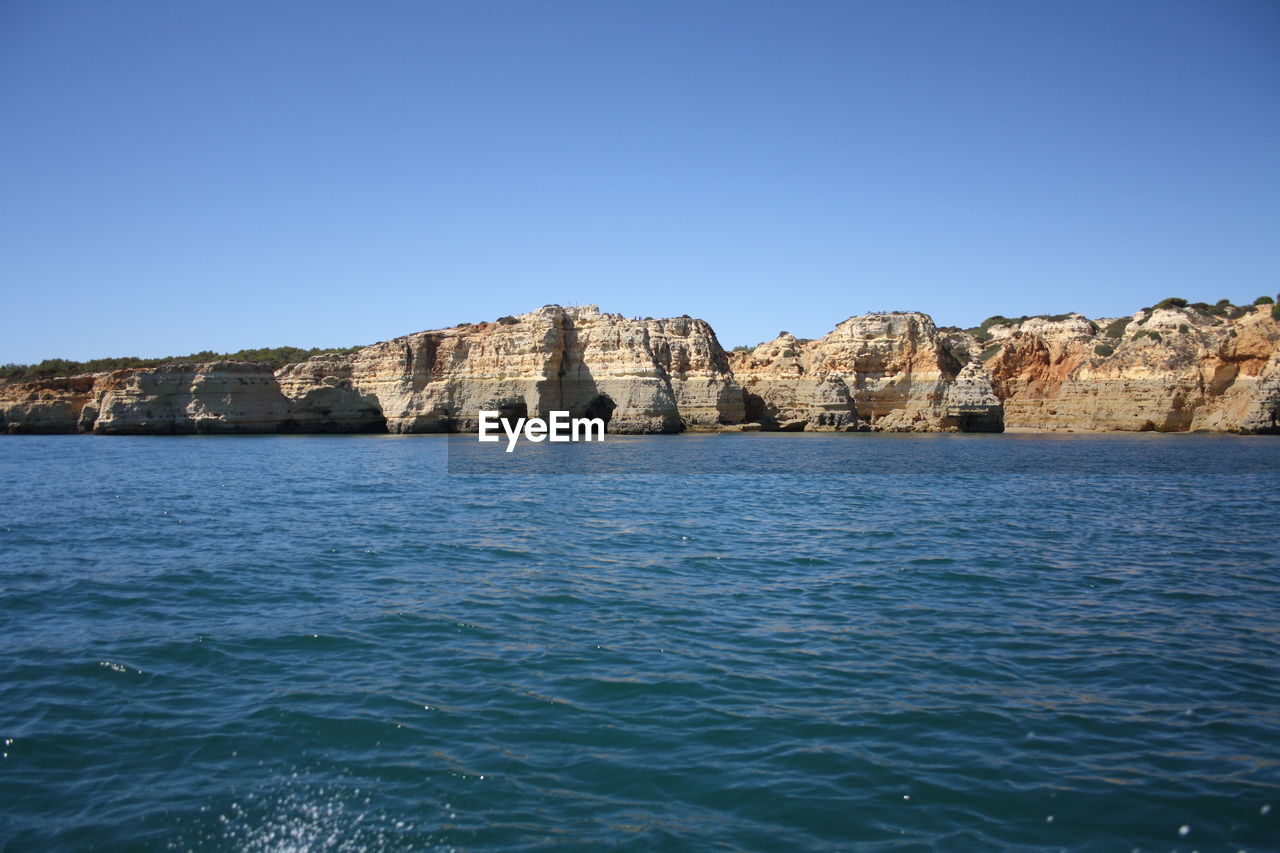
x=696, y=642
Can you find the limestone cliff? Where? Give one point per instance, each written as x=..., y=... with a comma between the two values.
x=641, y=376
x=1172, y=368
x=1262, y=413
x=47, y=405
x=971, y=402
x=216, y=397
x=1169, y=369
x=889, y=371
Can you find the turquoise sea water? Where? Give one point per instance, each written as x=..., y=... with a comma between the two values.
x=766, y=642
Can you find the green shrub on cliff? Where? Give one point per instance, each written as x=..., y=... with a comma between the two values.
x=1103, y=350
x=1115, y=329
x=1171, y=302
x=1001, y=320
x=1226, y=309
x=1222, y=308
x=1275, y=312
x=51, y=368
x=1264, y=300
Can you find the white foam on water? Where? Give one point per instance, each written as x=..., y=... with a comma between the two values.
x=315, y=820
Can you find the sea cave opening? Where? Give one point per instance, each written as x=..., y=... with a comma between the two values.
x=602, y=407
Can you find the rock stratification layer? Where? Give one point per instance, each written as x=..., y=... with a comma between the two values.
x=640, y=376
x=171, y=399
x=891, y=372
x=1168, y=369
x=1162, y=369
x=217, y=397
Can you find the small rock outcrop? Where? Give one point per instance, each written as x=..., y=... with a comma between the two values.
x=971, y=404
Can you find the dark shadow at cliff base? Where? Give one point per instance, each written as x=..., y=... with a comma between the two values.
x=601, y=407
x=366, y=426
x=975, y=419
x=755, y=411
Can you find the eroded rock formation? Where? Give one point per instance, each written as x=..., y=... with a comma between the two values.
x=879, y=371
x=173, y=399
x=640, y=376
x=1169, y=369
x=1164, y=369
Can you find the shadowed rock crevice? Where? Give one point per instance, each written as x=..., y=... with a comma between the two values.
x=601, y=407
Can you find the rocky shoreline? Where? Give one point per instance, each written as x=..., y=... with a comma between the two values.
x=1167, y=369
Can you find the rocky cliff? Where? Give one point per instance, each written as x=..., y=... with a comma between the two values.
x=217, y=397
x=1170, y=368
x=48, y=405
x=640, y=375
x=891, y=372
x=1166, y=369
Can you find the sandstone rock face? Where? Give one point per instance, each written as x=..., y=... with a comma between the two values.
x=702, y=382
x=45, y=406
x=217, y=397
x=879, y=371
x=434, y=381
x=1262, y=414
x=179, y=399
x=781, y=389
x=321, y=397
x=1166, y=369
x=971, y=402
x=1170, y=369
x=896, y=367
x=640, y=376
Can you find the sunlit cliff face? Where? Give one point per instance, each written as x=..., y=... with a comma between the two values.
x=1165, y=369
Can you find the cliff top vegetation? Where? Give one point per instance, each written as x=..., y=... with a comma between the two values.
x=50, y=368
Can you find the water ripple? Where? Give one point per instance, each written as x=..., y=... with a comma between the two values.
x=330, y=644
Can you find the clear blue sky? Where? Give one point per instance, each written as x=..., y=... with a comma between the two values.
x=177, y=176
